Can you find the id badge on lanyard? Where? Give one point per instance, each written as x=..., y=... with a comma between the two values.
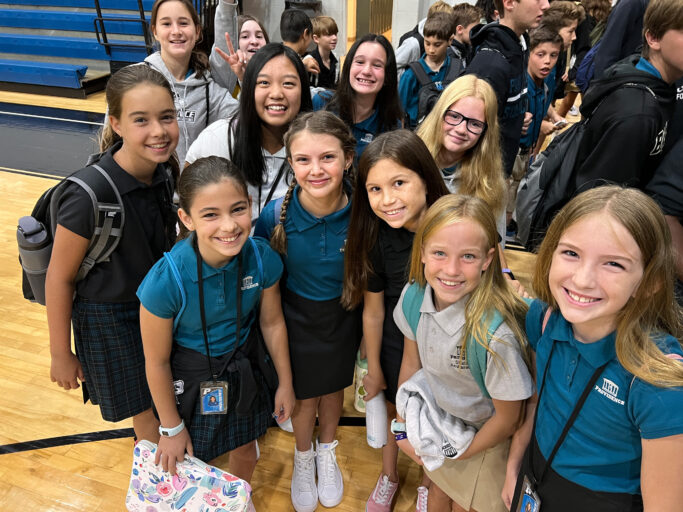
x=213, y=394
x=530, y=500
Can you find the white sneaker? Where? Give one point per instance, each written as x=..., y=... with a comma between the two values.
x=574, y=111
x=422, y=494
x=303, y=489
x=330, y=482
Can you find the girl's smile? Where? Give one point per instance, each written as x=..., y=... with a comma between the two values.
x=174, y=30
x=458, y=139
x=278, y=92
x=367, y=68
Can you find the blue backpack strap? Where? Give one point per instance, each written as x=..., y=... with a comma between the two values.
x=259, y=262
x=179, y=281
x=477, y=354
x=412, y=302
x=276, y=210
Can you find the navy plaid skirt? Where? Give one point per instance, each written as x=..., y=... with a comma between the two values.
x=109, y=347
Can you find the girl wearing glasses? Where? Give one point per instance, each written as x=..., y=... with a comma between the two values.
x=461, y=133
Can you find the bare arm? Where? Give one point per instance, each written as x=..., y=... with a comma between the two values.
x=68, y=252
x=497, y=428
x=373, y=323
x=157, y=341
x=661, y=469
x=410, y=364
x=275, y=335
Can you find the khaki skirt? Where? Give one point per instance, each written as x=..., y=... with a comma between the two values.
x=476, y=482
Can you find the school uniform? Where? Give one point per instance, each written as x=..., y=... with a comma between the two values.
x=216, y=141
x=364, y=131
x=475, y=482
x=327, y=77
x=409, y=87
x=389, y=259
x=160, y=294
x=323, y=336
x=105, y=313
x=597, y=466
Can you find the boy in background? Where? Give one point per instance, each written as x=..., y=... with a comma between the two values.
x=438, y=30
x=296, y=31
x=325, y=36
x=465, y=18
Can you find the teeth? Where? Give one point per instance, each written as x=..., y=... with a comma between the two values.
x=394, y=212
x=364, y=81
x=228, y=240
x=580, y=298
x=449, y=283
x=276, y=107
x=158, y=146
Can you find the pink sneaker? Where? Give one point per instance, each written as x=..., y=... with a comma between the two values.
x=381, y=499
x=422, y=494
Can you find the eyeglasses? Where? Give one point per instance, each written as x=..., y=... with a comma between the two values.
x=474, y=126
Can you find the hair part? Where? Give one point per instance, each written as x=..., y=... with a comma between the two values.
x=653, y=309
x=493, y=293
x=324, y=26
x=246, y=150
x=387, y=103
x=293, y=25
x=199, y=62
x=439, y=25
x=407, y=150
x=315, y=123
x=543, y=34
x=480, y=167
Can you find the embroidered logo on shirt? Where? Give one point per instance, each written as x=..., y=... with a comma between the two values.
x=188, y=115
x=448, y=449
x=610, y=390
x=248, y=283
x=367, y=138
x=179, y=387
x=459, y=362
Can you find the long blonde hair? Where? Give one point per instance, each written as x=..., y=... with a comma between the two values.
x=493, y=292
x=653, y=310
x=481, y=168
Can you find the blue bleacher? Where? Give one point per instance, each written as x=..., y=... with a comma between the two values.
x=121, y=5
x=75, y=21
x=52, y=74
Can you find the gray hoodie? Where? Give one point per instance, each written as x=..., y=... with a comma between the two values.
x=192, y=106
x=225, y=20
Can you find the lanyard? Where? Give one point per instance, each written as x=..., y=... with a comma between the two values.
x=278, y=178
x=202, y=312
x=573, y=415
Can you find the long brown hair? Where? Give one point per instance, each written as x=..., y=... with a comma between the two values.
x=406, y=149
x=198, y=59
x=652, y=311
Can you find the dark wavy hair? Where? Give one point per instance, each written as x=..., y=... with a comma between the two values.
x=246, y=150
x=387, y=103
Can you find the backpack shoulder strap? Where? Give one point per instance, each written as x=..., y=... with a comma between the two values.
x=259, y=261
x=453, y=70
x=276, y=209
x=179, y=282
x=420, y=74
x=477, y=354
x=412, y=301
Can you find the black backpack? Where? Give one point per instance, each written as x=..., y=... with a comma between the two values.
x=416, y=34
x=35, y=233
x=430, y=91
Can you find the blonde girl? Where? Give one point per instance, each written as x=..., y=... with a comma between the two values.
x=605, y=272
x=455, y=263
x=137, y=147
x=309, y=229
x=201, y=307
x=397, y=181
x=462, y=134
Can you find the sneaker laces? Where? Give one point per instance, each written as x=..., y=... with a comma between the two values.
x=383, y=490
x=329, y=460
x=422, y=495
x=305, y=472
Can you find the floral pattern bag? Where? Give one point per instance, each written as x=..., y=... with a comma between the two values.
x=196, y=486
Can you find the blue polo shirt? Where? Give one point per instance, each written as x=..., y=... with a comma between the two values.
x=602, y=450
x=539, y=100
x=409, y=87
x=315, y=248
x=161, y=296
x=364, y=132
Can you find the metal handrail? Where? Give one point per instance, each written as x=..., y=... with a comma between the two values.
x=100, y=28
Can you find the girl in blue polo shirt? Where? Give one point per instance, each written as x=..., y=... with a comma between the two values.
x=608, y=363
x=366, y=97
x=198, y=322
x=308, y=228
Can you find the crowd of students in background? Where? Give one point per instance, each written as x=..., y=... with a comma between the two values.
x=328, y=207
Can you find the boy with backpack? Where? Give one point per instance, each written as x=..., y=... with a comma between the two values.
x=411, y=44
x=423, y=81
x=465, y=18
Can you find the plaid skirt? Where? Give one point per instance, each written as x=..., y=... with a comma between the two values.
x=109, y=347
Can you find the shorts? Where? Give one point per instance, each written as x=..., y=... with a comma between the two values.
x=475, y=482
x=109, y=347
